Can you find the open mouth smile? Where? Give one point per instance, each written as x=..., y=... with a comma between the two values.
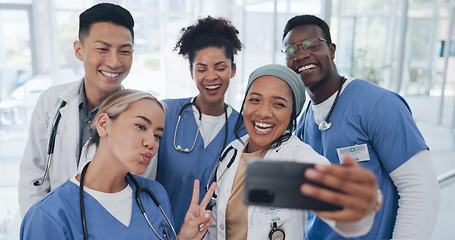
x=306, y=68
x=263, y=127
x=109, y=74
x=212, y=87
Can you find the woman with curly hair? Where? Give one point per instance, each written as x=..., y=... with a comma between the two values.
x=197, y=129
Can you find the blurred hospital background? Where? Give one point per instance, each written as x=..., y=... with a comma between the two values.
x=407, y=46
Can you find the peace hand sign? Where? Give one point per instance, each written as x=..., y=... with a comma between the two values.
x=197, y=219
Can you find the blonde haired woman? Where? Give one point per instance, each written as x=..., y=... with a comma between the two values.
x=113, y=203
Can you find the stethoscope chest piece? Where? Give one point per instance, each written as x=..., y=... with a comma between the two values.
x=276, y=233
x=212, y=200
x=324, y=125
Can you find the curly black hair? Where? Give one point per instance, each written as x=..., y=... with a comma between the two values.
x=208, y=32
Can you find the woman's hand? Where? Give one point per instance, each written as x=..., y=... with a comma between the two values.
x=356, y=189
x=197, y=219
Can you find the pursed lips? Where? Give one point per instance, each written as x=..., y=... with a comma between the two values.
x=147, y=156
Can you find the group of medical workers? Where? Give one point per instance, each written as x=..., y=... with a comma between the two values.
x=104, y=162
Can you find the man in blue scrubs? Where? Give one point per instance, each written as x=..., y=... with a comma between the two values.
x=374, y=125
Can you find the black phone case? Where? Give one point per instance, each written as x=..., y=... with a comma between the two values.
x=277, y=184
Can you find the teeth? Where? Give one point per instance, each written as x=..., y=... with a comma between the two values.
x=263, y=127
x=213, y=87
x=111, y=75
x=306, y=67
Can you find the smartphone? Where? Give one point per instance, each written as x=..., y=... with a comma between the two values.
x=277, y=184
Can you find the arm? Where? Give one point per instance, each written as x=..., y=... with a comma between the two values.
x=420, y=198
x=34, y=160
x=356, y=191
x=403, y=154
x=197, y=219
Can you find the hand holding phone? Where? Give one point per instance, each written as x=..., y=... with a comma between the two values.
x=355, y=187
x=277, y=184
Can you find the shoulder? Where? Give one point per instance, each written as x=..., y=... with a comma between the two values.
x=294, y=143
x=51, y=217
x=72, y=86
x=239, y=144
x=61, y=198
x=173, y=106
x=368, y=89
x=295, y=150
x=60, y=92
x=175, y=102
x=234, y=112
x=369, y=94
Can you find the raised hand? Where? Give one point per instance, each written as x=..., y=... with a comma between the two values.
x=357, y=190
x=197, y=219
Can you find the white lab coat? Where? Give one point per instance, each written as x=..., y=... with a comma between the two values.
x=66, y=148
x=291, y=150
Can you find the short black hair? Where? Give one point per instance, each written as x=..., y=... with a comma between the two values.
x=208, y=32
x=105, y=12
x=306, y=19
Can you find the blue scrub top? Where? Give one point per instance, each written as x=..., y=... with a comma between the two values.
x=58, y=217
x=176, y=171
x=381, y=119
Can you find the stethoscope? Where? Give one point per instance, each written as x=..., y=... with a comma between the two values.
x=222, y=157
x=187, y=150
x=139, y=189
x=275, y=233
x=182, y=110
x=50, y=147
x=326, y=124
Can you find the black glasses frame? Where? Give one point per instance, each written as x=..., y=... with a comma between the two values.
x=300, y=43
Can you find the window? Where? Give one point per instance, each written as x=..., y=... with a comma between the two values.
x=16, y=71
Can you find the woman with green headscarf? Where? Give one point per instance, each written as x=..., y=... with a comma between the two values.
x=274, y=98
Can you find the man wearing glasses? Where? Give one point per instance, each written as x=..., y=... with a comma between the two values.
x=347, y=115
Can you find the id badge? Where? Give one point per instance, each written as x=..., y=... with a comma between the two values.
x=358, y=152
x=268, y=215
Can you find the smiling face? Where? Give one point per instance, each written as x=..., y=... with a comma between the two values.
x=313, y=67
x=133, y=138
x=267, y=111
x=107, y=54
x=212, y=71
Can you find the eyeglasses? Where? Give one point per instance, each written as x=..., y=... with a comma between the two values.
x=309, y=45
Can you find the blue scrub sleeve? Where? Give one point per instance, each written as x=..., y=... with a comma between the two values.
x=38, y=224
x=394, y=134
